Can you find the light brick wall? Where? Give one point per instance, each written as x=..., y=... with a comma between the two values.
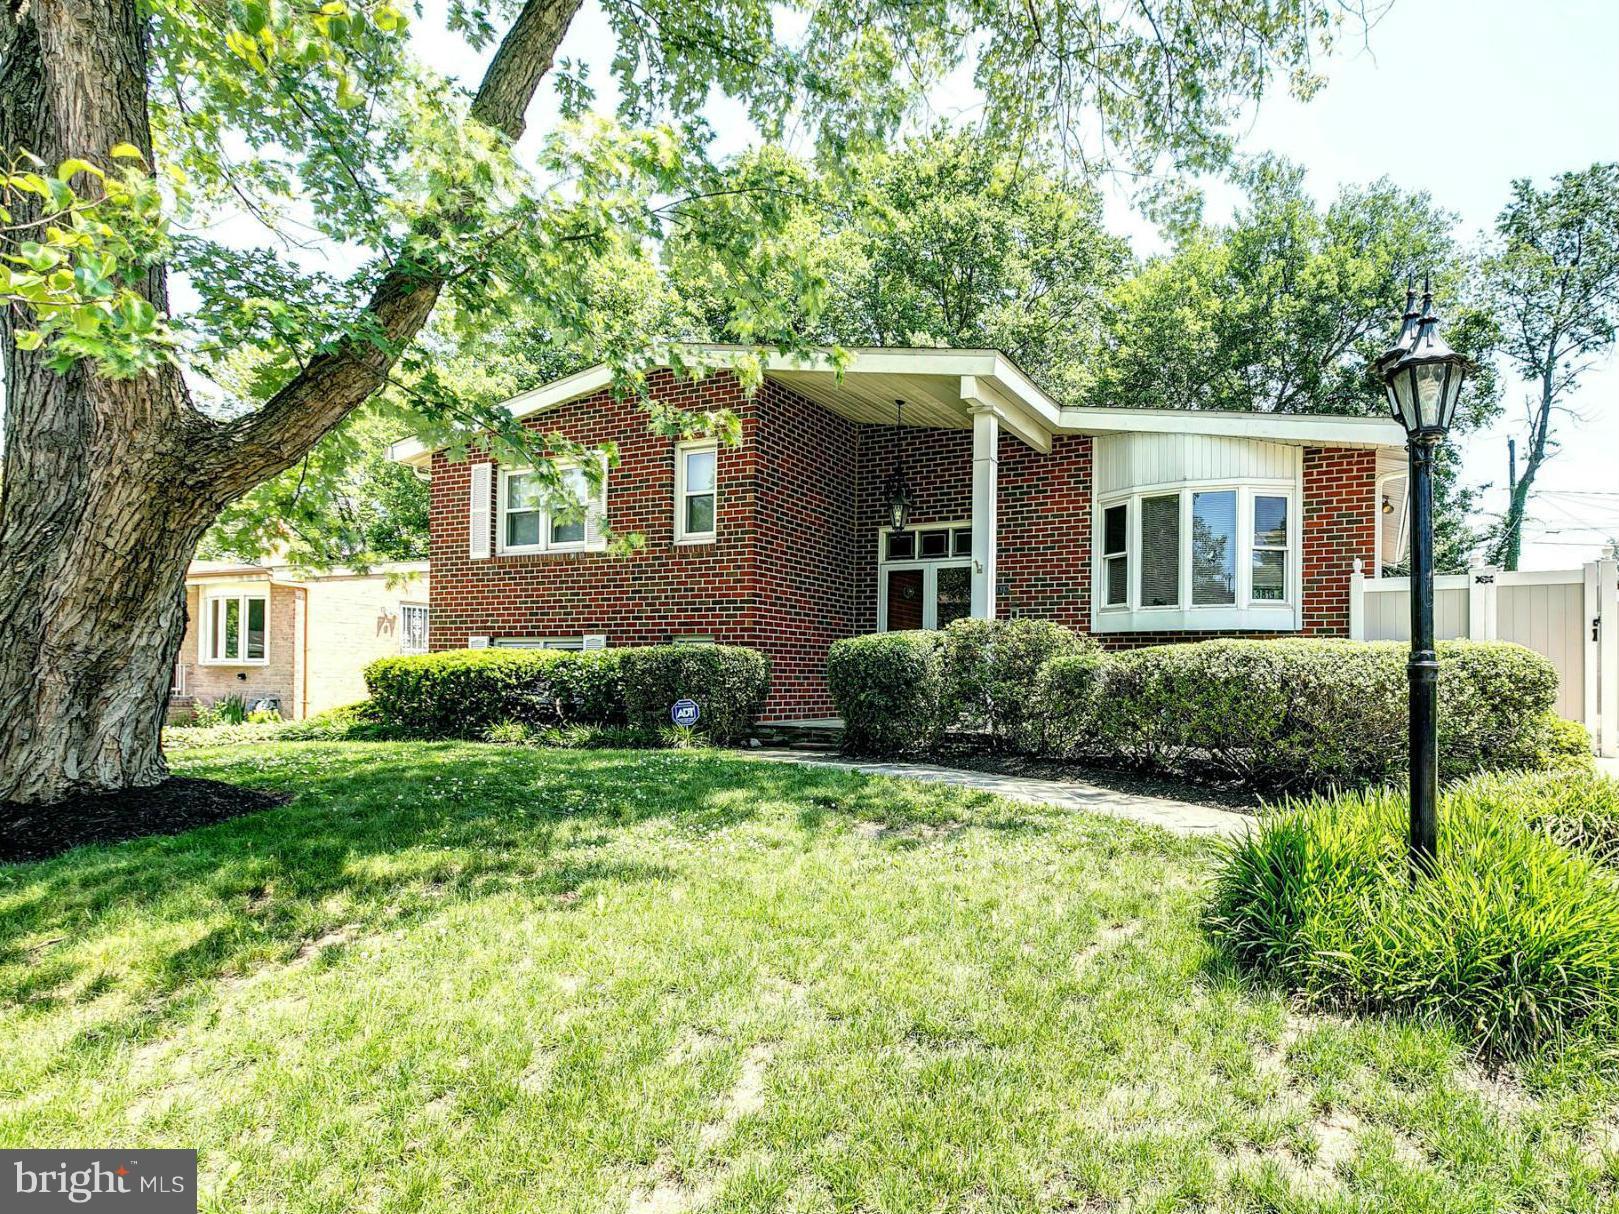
x=351, y=622
x=321, y=637
x=206, y=683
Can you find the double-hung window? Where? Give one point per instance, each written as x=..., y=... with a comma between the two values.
x=1116, y=554
x=696, y=500
x=1197, y=556
x=235, y=629
x=1270, y=548
x=568, y=520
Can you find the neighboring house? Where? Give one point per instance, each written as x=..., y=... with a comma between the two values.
x=296, y=642
x=1135, y=525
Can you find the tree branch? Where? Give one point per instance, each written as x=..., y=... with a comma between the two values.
x=335, y=382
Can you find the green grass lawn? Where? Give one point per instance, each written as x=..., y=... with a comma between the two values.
x=467, y=978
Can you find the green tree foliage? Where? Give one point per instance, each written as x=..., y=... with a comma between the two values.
x=948, y=240
x=1286, y=308
x=1553, y=279
x=345, y=503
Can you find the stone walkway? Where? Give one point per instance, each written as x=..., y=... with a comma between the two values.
x=1179, y=817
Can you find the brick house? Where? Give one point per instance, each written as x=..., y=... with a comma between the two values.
x=296, y=641
x=1138, y=526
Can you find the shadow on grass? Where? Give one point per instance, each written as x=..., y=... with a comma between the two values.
x=380, y=835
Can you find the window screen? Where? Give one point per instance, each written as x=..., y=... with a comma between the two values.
x=1161, y=551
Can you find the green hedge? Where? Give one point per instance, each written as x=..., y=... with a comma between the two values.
x=993, y=683
x=1070, y=686
x=463, y=693
x=1514, y=936
x=1306, y=713
x=728, y=682
x=889, y=689
x=1289, y=713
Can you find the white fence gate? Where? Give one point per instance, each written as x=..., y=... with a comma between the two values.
x=1570, y=615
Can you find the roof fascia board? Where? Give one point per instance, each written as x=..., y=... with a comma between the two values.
x=981, y=394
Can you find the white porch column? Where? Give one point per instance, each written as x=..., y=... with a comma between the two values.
x=986, y=468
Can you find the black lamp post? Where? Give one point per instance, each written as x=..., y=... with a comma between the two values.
x=1423, y=377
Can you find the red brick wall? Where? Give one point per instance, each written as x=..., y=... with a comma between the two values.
x=1340, y=524
x=764, y=582
x=1043, y=558
x=800, y=508
x=658, y=593
x=806, y=537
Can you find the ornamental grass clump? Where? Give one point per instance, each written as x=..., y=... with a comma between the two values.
x=1513, y=936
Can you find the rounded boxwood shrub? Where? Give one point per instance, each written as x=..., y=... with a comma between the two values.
x=728, y=682
x=888, y=688
x=1069, y=687
x=1513, y=937
x=992, y=677
x=1296, y=712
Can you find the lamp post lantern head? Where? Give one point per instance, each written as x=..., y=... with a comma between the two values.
x=897, y=492
x=1422, y=375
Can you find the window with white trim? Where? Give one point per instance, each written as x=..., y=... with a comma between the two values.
x=235, y=629
x=528, y=523
x=696, y=499
x=1270, y=559
x=1116, y=554
x=413, y=625
x=1198, y=556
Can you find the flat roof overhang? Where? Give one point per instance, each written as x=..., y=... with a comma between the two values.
x=945, y=388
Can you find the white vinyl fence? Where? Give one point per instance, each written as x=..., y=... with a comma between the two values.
x=1570, y=615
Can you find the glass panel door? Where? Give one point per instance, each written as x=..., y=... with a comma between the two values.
x=905, y=593
x=953, y=594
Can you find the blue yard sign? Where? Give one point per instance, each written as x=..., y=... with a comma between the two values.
x=685, y=713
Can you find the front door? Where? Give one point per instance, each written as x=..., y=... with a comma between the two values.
x=917, y=595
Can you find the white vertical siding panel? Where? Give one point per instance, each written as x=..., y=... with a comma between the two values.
x=1124, y=461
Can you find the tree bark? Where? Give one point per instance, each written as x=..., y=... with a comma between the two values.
x=108, y=485
x=1510, y=547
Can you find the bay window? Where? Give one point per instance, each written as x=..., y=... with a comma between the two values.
x=1197, y=557
x=235, y=629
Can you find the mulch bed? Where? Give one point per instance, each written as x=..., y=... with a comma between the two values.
x=37, y=832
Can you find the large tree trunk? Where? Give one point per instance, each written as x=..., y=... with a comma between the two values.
x=98, y=516
x=109, y=484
